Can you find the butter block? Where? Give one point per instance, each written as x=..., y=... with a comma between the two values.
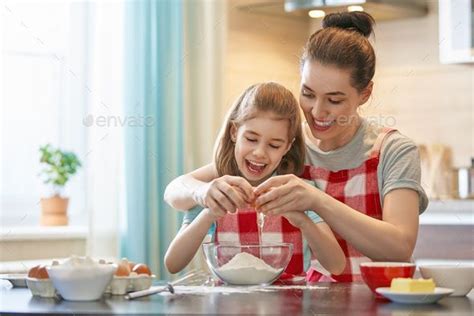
x=408, y=285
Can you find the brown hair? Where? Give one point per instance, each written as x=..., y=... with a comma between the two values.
x=264, y=97
x=343, y=41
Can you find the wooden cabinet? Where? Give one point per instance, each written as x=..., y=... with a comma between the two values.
x=445, y=242
x=446, y=231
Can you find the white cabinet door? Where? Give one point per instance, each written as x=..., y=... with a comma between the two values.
x=456, y=34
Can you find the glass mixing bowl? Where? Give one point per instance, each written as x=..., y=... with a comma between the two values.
x=247, y=264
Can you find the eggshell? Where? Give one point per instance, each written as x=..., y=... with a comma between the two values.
x=41, y=273
x=123, y=269
x=131, y=264
x=141, y=268
x=33, y=272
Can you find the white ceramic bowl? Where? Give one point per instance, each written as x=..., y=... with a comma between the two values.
x=81, y=283
x=460, y=278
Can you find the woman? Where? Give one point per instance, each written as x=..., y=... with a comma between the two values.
x=367, y=177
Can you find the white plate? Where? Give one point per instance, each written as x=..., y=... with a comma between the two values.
x=18, y=280
x=414, y=298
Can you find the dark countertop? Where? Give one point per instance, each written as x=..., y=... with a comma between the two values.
x=336, y=299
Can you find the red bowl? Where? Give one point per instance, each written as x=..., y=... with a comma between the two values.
x=380, y=274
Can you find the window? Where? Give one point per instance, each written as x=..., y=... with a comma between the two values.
x=43, y=92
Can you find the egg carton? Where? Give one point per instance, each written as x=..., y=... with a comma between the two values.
x=118, y=286
x=121, y=285
x=41, y=287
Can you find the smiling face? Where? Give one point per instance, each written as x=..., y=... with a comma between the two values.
x=260, y=144
x=329, y=103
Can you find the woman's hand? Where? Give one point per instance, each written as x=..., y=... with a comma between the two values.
x=225, y=194
x=285, y=193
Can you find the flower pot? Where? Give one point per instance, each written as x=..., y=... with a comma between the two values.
x=54, y=211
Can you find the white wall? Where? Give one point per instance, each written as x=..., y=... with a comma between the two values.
x=261, y=48
x=432, y=102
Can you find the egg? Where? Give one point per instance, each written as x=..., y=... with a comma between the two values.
x=131, y=264
x=253, y=204
x=141, y=268
x=123, y=269
x=33, y=272
x=41, y=273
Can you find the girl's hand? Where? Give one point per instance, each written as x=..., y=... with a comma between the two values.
x=225, y=194
x=286, y=193
x=297, y=219
x=213, y=215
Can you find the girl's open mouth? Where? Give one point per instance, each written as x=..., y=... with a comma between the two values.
x=255, y=168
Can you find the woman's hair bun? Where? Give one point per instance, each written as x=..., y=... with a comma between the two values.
x=358, y=21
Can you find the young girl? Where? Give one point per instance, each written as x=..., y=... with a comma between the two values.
x=261, y=137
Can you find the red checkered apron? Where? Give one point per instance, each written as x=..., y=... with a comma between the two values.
x=357, y=188
x=241, y=227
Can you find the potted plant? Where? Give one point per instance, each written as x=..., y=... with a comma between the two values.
x=59, y=166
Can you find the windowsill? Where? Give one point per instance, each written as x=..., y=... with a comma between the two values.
x=24, y=246
x=22, y=266
x=18, y=233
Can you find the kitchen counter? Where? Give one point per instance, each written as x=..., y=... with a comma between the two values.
x=320, y=298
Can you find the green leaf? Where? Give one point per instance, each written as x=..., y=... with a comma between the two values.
x=58, y=165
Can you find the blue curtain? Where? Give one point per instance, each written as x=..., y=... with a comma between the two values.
x=154, y=133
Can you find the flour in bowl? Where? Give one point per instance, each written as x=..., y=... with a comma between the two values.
x=246, y=269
